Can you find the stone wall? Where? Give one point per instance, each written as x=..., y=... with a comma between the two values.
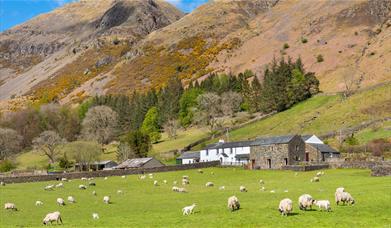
x=305, y=167
x=105, y=173
x=381, y=170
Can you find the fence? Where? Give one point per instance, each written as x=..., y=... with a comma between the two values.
x=105, y=173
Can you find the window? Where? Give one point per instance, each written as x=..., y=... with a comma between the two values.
x=207, y=152
x=230, y=150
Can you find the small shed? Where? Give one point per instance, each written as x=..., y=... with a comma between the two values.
x=189, y=157
x=98, y=165
x=140, y=163
x=317, y=152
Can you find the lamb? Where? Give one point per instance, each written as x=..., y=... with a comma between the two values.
x=38, y=203
x=318, y=174
x=185, y=177
x=233, y=203
x=185, y=181
x=52, y=217
x=155, y=183
x=285, y=206
x=272, y=191
x=222, y=188
x=91, y=184
x=106, y=199
x=60, y=202
x=82, y=187
x=10, y=206
x=243, y=189
x=60, y=185
x=142, y=177
x=344, y=197
x=120, y=192
x=84, y=178
x=2, y=183
x=323, y=204
x=315, y=179
x=209, y=184
x=165, y=181
x=305, y=201
x=189, y=209
x=95, y=216
x=182, y=190
x=262, y=188
x=105, y=178
x=150, y=176
x=123, y=177
x=71, y=199
x=64, y=179
x=94, y=193
x=49, y=187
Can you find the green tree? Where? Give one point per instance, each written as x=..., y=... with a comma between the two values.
x=187, y=103
x=139, y=143
x=151, y=124
x=169, y=100
x=256, y=95
x=84, y=152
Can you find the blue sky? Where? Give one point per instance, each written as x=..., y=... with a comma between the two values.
x=13, y=12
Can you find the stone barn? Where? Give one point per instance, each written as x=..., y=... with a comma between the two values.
x=275, y=152
x=317, y=152
x=140, y=163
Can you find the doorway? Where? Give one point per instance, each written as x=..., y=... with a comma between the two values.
x=269, y=163
x=307, y=156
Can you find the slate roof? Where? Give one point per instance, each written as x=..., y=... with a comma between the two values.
x=102, y=162
x=306, y=137
x=133, y=163
x=323, y=148
x=242, y=156
x=190, y=155
x=273, y=140
x=221, y=145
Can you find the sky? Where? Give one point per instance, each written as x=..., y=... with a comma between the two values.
x=14, y=12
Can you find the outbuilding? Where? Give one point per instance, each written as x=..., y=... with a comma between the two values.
x=140, y=163
x=189, y=157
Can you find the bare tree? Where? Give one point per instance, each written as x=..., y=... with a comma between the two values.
x=125, y=152
x=84, y=152
x=210, y=109
x=49, y=142
x=230, y=103
x=10, y=142
x=99, y=124
x=170, y=127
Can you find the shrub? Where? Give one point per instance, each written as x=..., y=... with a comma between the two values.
x=286, y=46
x=6, y=166
x=64, y=162
x=319, y=58
x=304, y=40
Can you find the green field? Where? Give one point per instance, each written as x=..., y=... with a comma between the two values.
x=144, y=205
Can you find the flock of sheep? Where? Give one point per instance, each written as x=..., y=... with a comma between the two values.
x=285, y=206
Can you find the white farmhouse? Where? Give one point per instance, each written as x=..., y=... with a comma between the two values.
x=188, y=158
x=232, y=153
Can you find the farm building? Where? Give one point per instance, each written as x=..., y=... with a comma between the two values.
x=189, y=158
x=318, y=152
x=232, y=153
x=311, y=139
x=140, y=163
x=101, y=165
x=275, y=152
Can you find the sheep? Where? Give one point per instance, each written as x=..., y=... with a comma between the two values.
x=262, y=188
x=150, y=176
x=243, y=189
x=185, y=181
x=175, y=189
x=94, y=193
x=60, y=201
x=52, y=217
x=105, y=178
x=318, y=174
x=182, y=190
x=95, y=216
x=82, y=187
x=84, y=178
x=305, y=201
x=10, y=206
x=49, y=187
x=91, y=184
x=323, y=204
x=71, y=199
x=340, y=189
x=344, y=197
x=315, y=179
x=189, y=209
x=165, y=181
x=261, y=182
x=285, y=206
x=142, y=177
x=272, y=191
x=209, y=184
x=90, y=178
x=120, y=192
x=233, y=203
x=185, y=177
x=64, y=179
x=286, y=191
x=38, y=203
x=60, y=185
x=200, y=171
x=123, y=177
x=2, y=183
x=174, y=182
x=222, y=188
x=106, y=199
x=156, y=183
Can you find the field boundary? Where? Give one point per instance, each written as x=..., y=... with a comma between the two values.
x=106, y=173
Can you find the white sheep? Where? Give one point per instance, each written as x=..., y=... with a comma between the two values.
x=165, y=181
x=261, y=182
x=91, y=183
x=90, y=178
x=305, y=201
x=189, y=209
x=182, y=190
x=60, y=185
x=243, y=189
x=209, y=184
x=315, y=179
x=123, y=177
x=185, y=177
x=84, y=178
x=105, y=178
x=49, y=187
x=340, y=189
x=2, y=183
x=60, y=201
x=94, y=193
x=272, y=191
x=344, y=197
x=262, y=188
x=82, y=187
x=156, y=183
x=323, y=204
x=150, y=176
x=233, y=203
x=185, y=181
x=64, y=179
x=222, y=188
x=142, y=177
x=10, y=206
x=52, y=217
x=95, y=216
x=38, y=203
x=106, y=199
x=71, y=199
x=120, y=192
x=175, y=189
x=318, y=174
x=285, y=207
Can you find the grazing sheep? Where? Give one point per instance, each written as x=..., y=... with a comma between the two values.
x=344, y=197
x=318, y=174
x=185, y=181
x=94, y=193
x=165, y=181
x=261, y=182
x=323, y=204
x=105, y=178
x=340, y=189
x=200, y=171
x=64, y=179
x=285, y=206
x=243, y=189
x=123, y=177
x=233, y=203
x=222, y=188
x=142, y=177
x=10, y=206
x=185, y=177
x=91, y=184
x=150, y=176
x=120, y=192
x=262, y=188
x=52, y=217
x=182, y=190
x=305, y=201
x=2, y=183
x=174, y=182
x=95, y=216
x=49, y=187
x=38, y=203
x=209, y=184
x=189, y=209
x=106, y=199
x=84, y=178
x=71, y=199
x=155, y=183
x=60, y=185
x=60, y=202
x=286, y=190
x=82, y=187
x=175, y=189
x=272, y=191
x=315, y=179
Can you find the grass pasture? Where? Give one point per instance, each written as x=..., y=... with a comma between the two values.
x=144, y=205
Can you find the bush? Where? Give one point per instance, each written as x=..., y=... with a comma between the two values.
x=6, y=166
x=286, y=46
x=304, y=40
x=64, y=162
x=319, y=58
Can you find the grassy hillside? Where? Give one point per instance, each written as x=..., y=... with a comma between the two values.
x=144, y=205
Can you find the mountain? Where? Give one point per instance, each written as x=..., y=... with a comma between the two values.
x=98, y=47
